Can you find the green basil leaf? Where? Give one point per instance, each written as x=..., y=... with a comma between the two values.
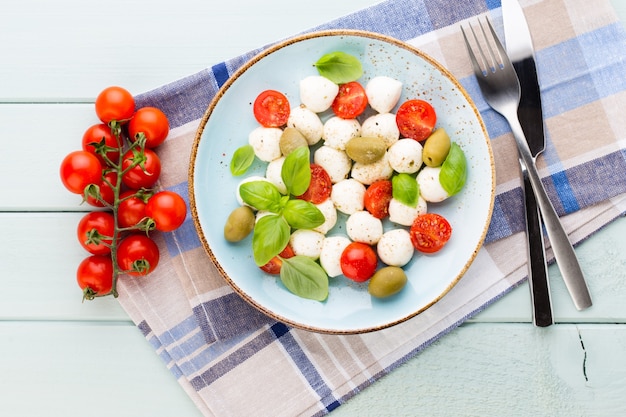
x=339, y=67
x=243, y=157
x=271, y=235
x=304, y=277
x=405, y=189
x=302, y=214
x=262, y=195
x=453, y=172
x=296, y=171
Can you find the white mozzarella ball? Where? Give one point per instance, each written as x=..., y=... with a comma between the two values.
x=383, y=93
x=306, y=122
x=395, y=248
x=307, y=242
x=266, y=142
x=330, y=256
x=273, y=174
x=337, y=132
x=430, y=187
x=404, y=215
x=363, y=227
x=383, y=126
x=317, y=93
x=262, y=213
x=347, y=195
x=369, y=173
x=330, y=215
x=245, y=180
x=336, y=163
x=406, y=156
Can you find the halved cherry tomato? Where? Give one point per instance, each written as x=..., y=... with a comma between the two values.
x=97, y=226
x=137, y=255
x=271, y=108
x=430, y=232
x=106, y=192
x=152, y=122
x=358, y=261
x=95, y=275
x=141, y=177
x=416, y=119
x=377, y=198
x=96, y=134
x=167, y=209
x=320, y=187
x=350, y=101
x=131, y=209
x=79, y=169
x=274, y=265
x=115, y=103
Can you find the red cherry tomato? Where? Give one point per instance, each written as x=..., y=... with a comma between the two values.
x=274, y=265
x=138, y=177
x=167, y=209
x=350, y=101
x=152, y=122
x=106, y=192
x=358, y=261
x=130, y=210
x=79, y=169
x=115, y=103
x=377, y=198
x=96, y=134
x=430, y=232
x=95, y=275
x=103, y=224
x=271, y=108
x=416, y=119
x=137, y=255
x=320, y=187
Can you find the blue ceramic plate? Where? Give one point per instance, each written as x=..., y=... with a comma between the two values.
x=349, y=307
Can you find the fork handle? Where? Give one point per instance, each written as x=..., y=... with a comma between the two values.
x=562, y=247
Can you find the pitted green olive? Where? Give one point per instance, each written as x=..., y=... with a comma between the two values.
x=239, y=224
x=436, y=148
x=366, y=150
x=291, y=139
x=387, y=281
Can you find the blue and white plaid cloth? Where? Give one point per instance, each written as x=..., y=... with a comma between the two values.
x=234, y=361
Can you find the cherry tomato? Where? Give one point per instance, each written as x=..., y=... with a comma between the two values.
x=137, y=255
x=351, y=100
x=130, y=210
x=416, y=119
x=167, y=209
x=430, y=232
x=79, y=169
x=138, y=177
x=274, y=265
x=152, y=122
x=320, y=187
x=97, y=133
x=95, y=275
x=358, y=261
x=115, y=103
x=103, y=224
x=106, y=192
x=377, y=198
x=271, y=108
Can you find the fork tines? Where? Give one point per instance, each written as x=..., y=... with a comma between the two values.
x=494, y=58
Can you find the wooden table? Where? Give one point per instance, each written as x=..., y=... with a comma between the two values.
x=61, y=357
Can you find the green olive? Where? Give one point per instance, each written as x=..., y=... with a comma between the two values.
x=387, y=281
x=436, y=148
x=291, y=139
x=366, y=150
x=239, y=224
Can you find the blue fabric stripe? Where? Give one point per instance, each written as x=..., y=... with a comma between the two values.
x=221, y=73
x=179, y=331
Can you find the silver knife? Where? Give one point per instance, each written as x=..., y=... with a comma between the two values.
x=521, y=52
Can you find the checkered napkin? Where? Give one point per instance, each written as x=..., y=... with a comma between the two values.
x=234, y=361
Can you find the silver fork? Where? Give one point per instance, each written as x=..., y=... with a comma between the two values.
x=500, y=87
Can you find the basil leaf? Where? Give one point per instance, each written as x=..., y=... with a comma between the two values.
x=404, y=188
x=262, y=195
x=271, y=235
x=242, y=159
x=296, y=171
x=453, y=172
x=302, y=214
x=304, y=277
x=339, y=67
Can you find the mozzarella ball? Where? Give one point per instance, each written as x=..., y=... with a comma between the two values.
x=363, y=227
x=405, y=156
x=404, y=215
x=307, y=242
x=306, y=122
x=245, y=180
x=317, y=93
x=347, y=195
x=265, y=142
x=330, y=256
x=382, y=126
x=369, y=173
x=273, y=174
x=336, y=163
x=330, y=215
x=395, y=248
x=430, y=187
x=337, y=132
x=383, y=93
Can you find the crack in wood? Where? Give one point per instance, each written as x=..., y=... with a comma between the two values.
x=582, y=344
